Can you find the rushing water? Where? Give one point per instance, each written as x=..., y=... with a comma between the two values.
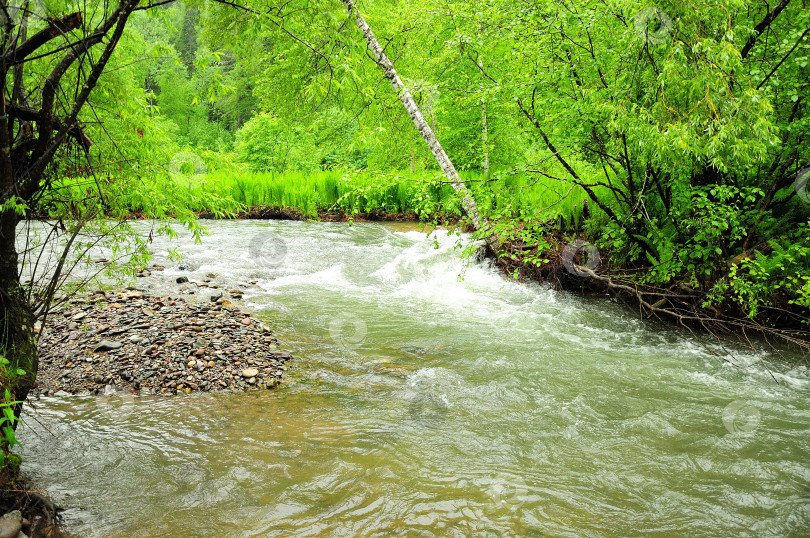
x=432, y=399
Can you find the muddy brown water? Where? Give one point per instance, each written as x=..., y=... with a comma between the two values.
x=434, y=398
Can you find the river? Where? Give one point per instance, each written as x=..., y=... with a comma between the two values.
x=430, y=397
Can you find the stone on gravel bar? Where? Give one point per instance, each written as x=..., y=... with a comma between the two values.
x=107, y=345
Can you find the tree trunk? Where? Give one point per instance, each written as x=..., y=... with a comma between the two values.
x=17, y=341
x=484, y=131
x=485, y=137
x=427, y=133
x=23, y=168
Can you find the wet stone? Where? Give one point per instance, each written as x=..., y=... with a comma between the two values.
x=107, y=345
x=250, y=372
x=10, y=524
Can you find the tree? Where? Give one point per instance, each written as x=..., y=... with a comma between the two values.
x=52, y=67
x=31, y=137
x=429, y=136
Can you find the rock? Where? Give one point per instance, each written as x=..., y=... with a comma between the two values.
x=80, y=316
x=11, y=524
x=182, y=279
x=107, y=345
x=215, y=298
x=250, y=372
x=98, y=379
x=246, y=321
x=131, y=295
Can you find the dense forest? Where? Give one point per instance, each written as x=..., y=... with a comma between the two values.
x=673, y=138
x=661, y=154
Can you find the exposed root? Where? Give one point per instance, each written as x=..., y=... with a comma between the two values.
x=678, y=303
x=40, y=515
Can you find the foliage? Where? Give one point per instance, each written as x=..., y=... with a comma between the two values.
x=267, y=144
x=673, y=143
x=8, y=420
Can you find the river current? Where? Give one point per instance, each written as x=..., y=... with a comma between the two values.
x=431, y=396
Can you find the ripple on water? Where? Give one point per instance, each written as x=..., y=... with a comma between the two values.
x=470, y=405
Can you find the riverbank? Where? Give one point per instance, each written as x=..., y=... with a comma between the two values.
x=28, y=513
x=286, y=213
x=578, y=266
x=130, y=342
x=113, y=341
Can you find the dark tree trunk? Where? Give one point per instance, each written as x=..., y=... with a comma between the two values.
x=29, y=140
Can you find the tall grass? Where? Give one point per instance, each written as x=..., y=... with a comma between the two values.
x=354, y=192
x=426, y=193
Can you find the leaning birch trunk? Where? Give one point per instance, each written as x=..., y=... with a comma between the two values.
x=485, y=137
x=419, y=120
x=484, y=131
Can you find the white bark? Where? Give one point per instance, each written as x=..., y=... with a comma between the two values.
x=484, y=131
x=427, y=133
x=485, y=137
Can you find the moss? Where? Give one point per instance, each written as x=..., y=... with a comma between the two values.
x=9, y=471
x=12, y=463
